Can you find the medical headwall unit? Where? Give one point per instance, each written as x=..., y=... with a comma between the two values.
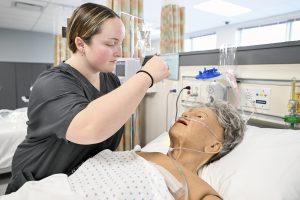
x=263, y=73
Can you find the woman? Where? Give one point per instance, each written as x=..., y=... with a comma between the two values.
x=78, y=108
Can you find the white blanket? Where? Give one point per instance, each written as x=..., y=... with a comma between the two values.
x=119, y=175
x=53, y=187
x=108, y=175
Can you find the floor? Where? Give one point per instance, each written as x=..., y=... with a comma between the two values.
x=3, y=182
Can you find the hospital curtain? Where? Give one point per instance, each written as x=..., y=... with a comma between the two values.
x=131, y=13
x=61, y=49
x=172, y=28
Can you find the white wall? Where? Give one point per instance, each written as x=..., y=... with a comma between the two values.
x=25, y=46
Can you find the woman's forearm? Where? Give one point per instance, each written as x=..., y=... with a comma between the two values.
x=105, y=115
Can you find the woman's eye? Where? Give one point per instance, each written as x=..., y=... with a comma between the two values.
x=200, y=116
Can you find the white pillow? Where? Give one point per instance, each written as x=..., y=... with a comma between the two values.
x=160, y=144
x=265, y=166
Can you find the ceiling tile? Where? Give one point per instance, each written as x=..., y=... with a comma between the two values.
x=56, y=12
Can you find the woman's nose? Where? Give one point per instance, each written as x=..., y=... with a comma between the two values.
x=118, y=51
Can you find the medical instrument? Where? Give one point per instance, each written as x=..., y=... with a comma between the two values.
x=207, y=74
x=202, y=123
x=294, y=107
x=172, y=60
x=188, y=149
x=144, y=38
x=181, y=173
x=227, y=63
x=126, y=67
x=215, y=89
x=185, y=88
x=167, y=107
x=140, y=34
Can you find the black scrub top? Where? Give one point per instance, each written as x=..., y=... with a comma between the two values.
x=57, y=96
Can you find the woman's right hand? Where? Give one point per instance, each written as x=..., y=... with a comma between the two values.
x=157, y=67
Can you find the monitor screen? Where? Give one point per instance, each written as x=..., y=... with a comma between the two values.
x=120, y=68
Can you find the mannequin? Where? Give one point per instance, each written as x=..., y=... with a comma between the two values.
x=200, y=136
x=195, y=138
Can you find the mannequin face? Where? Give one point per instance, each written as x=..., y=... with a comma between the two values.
x=200, y=130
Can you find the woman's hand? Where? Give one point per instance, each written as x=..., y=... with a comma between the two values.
x=158, y=68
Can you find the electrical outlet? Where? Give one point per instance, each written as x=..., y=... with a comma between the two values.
x=192, y=95
x=258, y=97
x=194, y=91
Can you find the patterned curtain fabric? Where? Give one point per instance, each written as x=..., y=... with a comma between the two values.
x=61, y=49
x=172, y=28
x=131, y=12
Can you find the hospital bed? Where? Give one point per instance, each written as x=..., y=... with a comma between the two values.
x=13, y=130
x=266, y=165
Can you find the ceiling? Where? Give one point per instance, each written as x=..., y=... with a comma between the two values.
x=55, y=13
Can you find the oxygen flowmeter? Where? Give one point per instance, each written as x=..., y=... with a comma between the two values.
x=294, y=107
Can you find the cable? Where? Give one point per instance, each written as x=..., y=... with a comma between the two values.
x=167, y=107
x=185, y=88
x=248, y=99
x=181, y=173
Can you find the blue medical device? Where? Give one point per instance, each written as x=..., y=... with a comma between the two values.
x=207, y=74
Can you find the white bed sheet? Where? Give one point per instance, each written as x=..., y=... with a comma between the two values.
x=53, y=187
x=13, y=130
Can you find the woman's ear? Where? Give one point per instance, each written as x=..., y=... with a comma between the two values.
x=79, y=44
x=214, y=147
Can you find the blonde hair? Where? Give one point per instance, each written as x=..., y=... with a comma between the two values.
x=86, y=21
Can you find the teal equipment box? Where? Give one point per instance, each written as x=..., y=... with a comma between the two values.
x=172, y=60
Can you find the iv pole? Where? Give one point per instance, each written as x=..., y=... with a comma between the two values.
x=132, y=47
x=132, y=27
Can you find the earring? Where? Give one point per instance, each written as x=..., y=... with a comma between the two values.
x=82, y=52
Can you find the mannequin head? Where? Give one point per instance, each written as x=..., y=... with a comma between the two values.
x=206, y=133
